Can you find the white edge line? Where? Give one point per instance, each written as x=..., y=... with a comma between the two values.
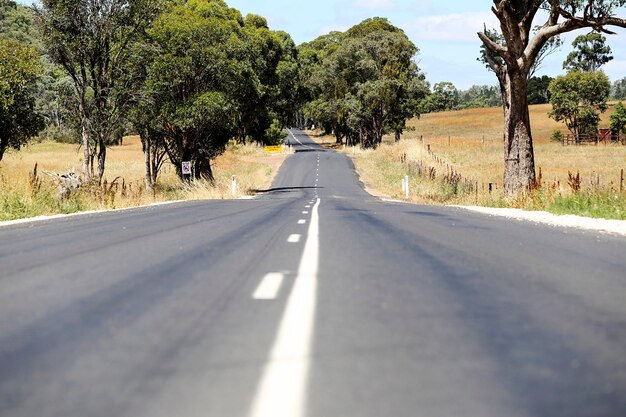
x=86, y=213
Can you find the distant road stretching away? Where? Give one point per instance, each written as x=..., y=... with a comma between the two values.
x=313, y=299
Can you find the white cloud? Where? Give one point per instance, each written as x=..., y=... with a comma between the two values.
x=451, y=27
x=374, y=4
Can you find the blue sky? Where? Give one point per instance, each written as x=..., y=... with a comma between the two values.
x=443, y=30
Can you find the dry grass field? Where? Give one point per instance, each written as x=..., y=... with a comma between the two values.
x=22, y=195
x=467, y=145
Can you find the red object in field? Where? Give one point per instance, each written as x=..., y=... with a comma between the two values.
x=604, y=135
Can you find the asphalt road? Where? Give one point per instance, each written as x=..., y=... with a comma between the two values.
x=313, y=299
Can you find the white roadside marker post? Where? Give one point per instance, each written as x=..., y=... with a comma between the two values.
x=234, y=186
x=403, y=186
x=406, y=184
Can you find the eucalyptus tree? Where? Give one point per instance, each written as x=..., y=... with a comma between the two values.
x=577, y=99
x=194, y=68
x=19, y=69
x=267, y=98
x=589, y=54
x=90, y=39
x=364, y=83
x=513, y=56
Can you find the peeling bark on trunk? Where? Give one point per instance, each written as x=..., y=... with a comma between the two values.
x=519, y=165
x=4, y=143
x=102, y=154
x=85, y=140
x=203, y=170
x=147, y=157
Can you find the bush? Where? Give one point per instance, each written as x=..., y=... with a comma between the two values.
x=557, y=136
x=275, y=135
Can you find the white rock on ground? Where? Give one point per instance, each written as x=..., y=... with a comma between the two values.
x=601, y=225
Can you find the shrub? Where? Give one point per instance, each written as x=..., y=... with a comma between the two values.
x=557, y=136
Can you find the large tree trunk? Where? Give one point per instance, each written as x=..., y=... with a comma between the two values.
x=102, y=154
x=86, y=150
x=519, y=165
x=147, y=155
x=156, y=159
x=4, y=143
x=203, y=170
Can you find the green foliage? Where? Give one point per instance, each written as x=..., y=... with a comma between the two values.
x=91, y=40
x=275, y=134
x=19, y=69
x=16, y=22
x=272, y=77
x=598, y=204
x=362, y=83
x=191, y=79
x=557, y=136
x=538, y=90
x=618, y=89
x=590, y=53
x=577, y=98
x=618, y=119
x=445, y=96
x=478, y=96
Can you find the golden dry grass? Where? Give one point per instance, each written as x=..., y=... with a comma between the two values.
x=456, y=141
x=484, y=161
x=19, y=197
x=487, y=123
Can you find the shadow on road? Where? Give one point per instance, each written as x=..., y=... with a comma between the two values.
x=284, y=189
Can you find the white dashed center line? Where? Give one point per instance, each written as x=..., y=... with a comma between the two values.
x=293, y=238
x=301, y=221
x=269, y=286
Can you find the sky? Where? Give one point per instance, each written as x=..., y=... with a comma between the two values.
x=443, y=30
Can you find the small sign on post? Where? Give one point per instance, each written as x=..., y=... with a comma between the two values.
x=186, y=168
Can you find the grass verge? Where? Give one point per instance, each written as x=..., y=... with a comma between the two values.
x=28, y=192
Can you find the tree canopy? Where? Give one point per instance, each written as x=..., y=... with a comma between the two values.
x=363, y=83
x=577, y=98
x=589, y=54
x=91, y=40
x=19, y=70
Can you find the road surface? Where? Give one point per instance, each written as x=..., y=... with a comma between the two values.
x=313, y=299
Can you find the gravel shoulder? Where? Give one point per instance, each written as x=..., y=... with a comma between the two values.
x=617, y=227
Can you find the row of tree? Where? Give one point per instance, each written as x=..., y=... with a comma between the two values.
x=362, y=83
x=187, y=76
x=190, y=75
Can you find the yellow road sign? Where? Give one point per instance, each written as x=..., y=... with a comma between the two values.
x=274, y=149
